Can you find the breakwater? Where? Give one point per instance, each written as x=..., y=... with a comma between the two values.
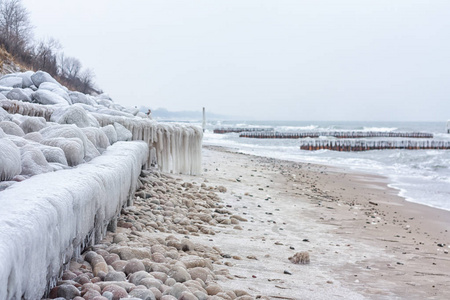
x=363, y=145
x=336, y=134
x=239, y=129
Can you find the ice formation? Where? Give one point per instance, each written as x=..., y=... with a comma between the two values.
x=46, y=218
x=68, y=163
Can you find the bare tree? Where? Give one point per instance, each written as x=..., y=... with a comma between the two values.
x=45, y=54
x=87, y=81
x=15, y=26
x=70, y=67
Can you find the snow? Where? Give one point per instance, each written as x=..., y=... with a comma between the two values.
x=48, y=217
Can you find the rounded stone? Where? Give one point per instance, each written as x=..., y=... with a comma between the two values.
x=115, y=276
x=134, y=266
x=117, y=291
x=68, y=291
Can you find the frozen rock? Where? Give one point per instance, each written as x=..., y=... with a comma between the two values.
x=111, y=133
x=10, y=160
x=2, y=97
x=53, y=154
x=33, y=161
x=65, y=131
x=123, y=134
x=34, y=136
x=57, y=89
x=72, y=147
x=40, y=77
x=11, y=81
x=47, y=98
x=97, y=137
x=33, y=124
x=18, y=94
x=77, y=97
x=26, y=78
x=11, y=128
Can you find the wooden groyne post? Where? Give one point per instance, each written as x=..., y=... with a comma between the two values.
x=362, y=145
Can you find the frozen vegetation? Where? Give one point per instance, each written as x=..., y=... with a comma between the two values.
x=68, y=163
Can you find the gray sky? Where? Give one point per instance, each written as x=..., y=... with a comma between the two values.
x=281, y=60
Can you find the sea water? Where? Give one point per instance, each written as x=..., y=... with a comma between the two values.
x=421, y=176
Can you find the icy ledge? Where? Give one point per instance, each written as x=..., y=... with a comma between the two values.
x=47, y=218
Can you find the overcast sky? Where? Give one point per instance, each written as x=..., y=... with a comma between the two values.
x=369, y=60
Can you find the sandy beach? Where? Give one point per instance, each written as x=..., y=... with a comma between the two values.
x=229, y=233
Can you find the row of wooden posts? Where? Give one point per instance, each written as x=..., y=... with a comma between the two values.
x=239, y=129
x=336, y=134
x=364, y=145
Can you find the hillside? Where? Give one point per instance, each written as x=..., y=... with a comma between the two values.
x=8, y=64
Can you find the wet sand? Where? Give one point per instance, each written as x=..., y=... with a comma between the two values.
x=229, y=233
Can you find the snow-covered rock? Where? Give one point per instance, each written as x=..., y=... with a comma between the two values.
x=11, y=128
x=18, y=94
x=110, y=132
x=97, y=137
x=73, y=149
x=26, y=78
x=72, y=115
x=78, y=97
x=11, y=81
x=10, y=163
x=33, y=161
x=47, y=97
x=32, y=124
x=40, y=77
x=57, y=89
x=123, y=134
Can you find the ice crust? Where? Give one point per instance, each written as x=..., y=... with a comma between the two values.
x=47, y=218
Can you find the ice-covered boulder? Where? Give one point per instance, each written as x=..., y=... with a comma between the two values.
x=34, y=136
x=3, y=113
x=47, y=97
x=11, y=81
x=40, y=77
x=91, y=151
x=72, y=147
x=65, y=131
x=71, y=115
x=110, y=132
x=26, y=79
x=97, y=137
x=18, y=94
x=32, y=124
x=10, y=162
x=2, y=96
x=53, y=154
x=57, y=89
x=123, y=134
x=11, y=128
x=33, y=161
x=78, y=97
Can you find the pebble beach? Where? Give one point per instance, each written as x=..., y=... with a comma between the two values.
x=260, y=228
